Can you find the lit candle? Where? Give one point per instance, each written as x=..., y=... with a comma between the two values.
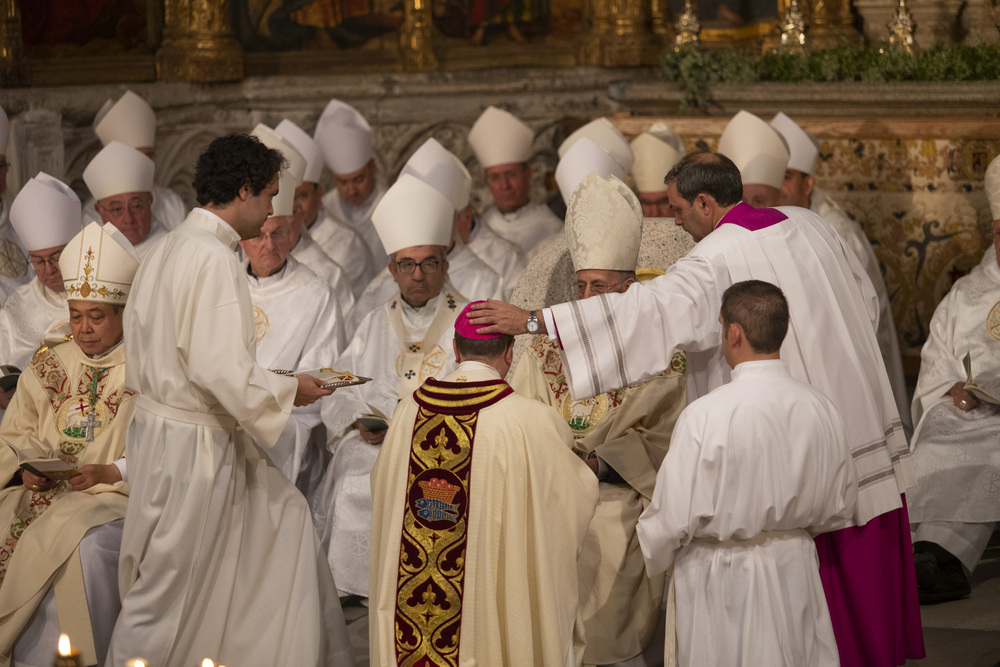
x=136, y=662
x=207, y=663
x=68, y=656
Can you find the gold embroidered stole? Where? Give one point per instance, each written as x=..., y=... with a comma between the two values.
x=431, y=576
x=421, y=359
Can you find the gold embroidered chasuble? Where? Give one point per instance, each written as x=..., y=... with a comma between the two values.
x=480, y=508
x=630, y=430
x=75, y=408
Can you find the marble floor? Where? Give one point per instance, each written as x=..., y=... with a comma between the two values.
x=964, y=633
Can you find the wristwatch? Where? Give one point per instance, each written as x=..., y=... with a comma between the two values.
x=532, y=325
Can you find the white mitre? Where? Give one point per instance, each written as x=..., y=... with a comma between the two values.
x=46, y=213
x=499, y=137
x=584, y=157
x=289, y=179
x=130, y=120
x=603, y=225
x=803, y=148
x=656, y=150
x=118, y=169
x=345, y=138
x=98, y=264
x=605, y=135
x=756, y=148
x=306, y=146
x=439, y=168
x=412, y=213
x=4, y=131
x=992, y=187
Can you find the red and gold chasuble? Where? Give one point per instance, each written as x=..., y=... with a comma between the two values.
x=438, y=491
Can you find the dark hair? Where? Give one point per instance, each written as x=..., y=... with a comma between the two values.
x=709, y=173
x=229, y=163
x=761, y=309
x=492, y=348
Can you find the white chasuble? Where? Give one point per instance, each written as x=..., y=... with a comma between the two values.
x=497, y=558
x=75, y=408
x=346, y=248
x=32, y=311
x=956, y=454
x=358, y=218
x=526, y=227
x=219, y=556
x=755, y=468
x=501, y=255
x=629, y=429
x=399, y=347
x=298, y=327
x=15, y=268
x=888, y=342
x=830, y=344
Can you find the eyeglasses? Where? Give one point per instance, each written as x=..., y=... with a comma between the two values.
x=136, y=206
x=51, y=260
x=408, y=266
x=595, y=288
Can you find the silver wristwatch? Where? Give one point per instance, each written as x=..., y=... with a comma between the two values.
x=532, y=325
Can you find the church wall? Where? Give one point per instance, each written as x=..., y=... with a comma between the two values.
x=910, y=173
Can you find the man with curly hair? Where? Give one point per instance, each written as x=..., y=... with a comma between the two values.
x=219, y=557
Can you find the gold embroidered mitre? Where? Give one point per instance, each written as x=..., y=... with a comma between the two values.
x=98, y=265
x=603, y=225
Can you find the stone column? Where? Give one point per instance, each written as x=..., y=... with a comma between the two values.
x=416, y=37
x=829, y=23
x=13, y=65
x=619, y=35
x=198, y=44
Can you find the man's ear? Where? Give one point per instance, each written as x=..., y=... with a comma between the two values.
x=508, y=355
x=703, y=201
x=810, y=182
x=454, y=348
x=246, y=191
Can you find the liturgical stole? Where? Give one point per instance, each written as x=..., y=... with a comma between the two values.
x=418, y=359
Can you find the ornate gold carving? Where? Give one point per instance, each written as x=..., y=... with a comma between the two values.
x=619, y=34
x=830, y=22
x=14, y=69
x=793, y=30
x=901, y=27
x=197, y=43
x=416, y=37
x=687, y=26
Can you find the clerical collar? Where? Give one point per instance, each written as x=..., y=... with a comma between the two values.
x=101, y=355
x=431, y=305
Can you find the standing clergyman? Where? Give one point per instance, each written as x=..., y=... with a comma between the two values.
x=219, y=555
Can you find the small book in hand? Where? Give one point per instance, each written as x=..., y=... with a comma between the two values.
x=976, y=391
x=374, y=420
x=49, y=468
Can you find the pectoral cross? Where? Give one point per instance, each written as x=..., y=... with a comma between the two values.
x=92, y=423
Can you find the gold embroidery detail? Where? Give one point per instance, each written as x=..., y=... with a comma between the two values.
x=260, y=323
x=993, y=321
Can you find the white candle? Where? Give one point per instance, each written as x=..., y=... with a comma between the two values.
x=207, y=663
x=136, y=662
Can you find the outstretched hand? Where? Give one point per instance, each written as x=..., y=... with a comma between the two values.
x=310, y=390
x=499, y=317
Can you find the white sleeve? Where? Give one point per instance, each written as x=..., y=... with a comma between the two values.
x=120, y=463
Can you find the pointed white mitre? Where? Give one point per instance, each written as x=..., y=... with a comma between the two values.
x=605, y=135
x=756, y=148
x=803, y=148
x=438, y=167
x=584, y=157
x=603, y=225
x=4, y=131
x=130, y=120
x=499, y=137
x=46, y=213
x=289, y=179
x=345, y=138
x=306, y=146
x=656, y=150
x=412, y=213
x=118, y=169
x=992, y=186
x=98, y=265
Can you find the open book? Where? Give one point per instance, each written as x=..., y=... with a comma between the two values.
x=974, y=389
x=49, y=468
x=330, y=377
x=374, y=420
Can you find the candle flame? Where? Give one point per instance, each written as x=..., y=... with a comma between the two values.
x=64, y=646
x=207, y=663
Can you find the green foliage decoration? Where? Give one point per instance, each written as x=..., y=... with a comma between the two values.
x=695, y=68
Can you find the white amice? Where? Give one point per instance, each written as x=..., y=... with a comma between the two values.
x=526, y=227
x=399, y=347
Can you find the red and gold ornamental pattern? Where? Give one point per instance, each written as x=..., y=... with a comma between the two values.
x=432, y=550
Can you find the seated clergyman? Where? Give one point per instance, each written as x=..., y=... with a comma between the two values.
x=71, y=404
